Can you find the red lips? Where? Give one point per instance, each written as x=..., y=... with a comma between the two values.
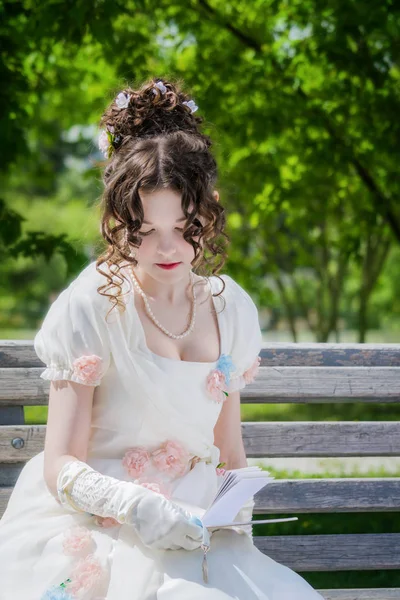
x=168, y=266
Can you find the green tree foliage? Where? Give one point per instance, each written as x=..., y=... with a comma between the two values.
x=301, y=99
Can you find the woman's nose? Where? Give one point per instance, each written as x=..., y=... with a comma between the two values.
x=166, y=246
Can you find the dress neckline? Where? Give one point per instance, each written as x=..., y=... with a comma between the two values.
x=155, y=356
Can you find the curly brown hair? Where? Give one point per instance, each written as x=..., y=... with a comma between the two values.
x=155, y=143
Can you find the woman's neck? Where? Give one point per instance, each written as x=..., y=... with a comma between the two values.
x=169, y=294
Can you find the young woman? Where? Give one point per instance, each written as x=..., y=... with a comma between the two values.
x=146, y=350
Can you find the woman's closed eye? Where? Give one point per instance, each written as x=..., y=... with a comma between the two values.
x=196, y=228
x=151, y=231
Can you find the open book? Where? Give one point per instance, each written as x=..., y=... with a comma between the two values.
x=237, y=486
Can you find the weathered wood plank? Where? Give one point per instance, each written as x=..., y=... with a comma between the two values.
x=272, y=384
x=362, y=594
x=316, y=354
x=342, y=552
x=275, y=439
x=20, y=353
x=302, y=495
x=278, y=439
x=23, y=386
x=324, y=384
x=329, y=495
x=28, y=441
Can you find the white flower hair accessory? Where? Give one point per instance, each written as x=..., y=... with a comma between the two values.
x=192, y=105
x=103, y=142
x=122, y=100
x=160, y=86
x=106, y=140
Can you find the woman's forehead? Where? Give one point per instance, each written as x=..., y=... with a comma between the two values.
x=163, y=205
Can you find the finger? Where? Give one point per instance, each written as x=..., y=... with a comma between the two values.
x=189, y=544
x=193, y=531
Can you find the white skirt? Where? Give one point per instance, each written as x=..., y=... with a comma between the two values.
x=49, y=554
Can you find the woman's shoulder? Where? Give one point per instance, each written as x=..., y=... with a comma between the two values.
x=232, y=290
x=85, y=285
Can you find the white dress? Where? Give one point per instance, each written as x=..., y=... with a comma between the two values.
x=152, y=422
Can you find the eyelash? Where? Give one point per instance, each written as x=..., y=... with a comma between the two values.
x=151, y=231
x=199, y=228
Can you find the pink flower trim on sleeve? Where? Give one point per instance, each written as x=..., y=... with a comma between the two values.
x=88, y=368
x=251, y=373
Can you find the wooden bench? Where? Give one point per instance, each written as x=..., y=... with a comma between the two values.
x=290, y=373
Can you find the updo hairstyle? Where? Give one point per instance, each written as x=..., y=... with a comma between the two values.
x=151, y=140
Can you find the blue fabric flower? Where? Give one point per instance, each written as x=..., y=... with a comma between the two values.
x=226, y=366
x=56, y=592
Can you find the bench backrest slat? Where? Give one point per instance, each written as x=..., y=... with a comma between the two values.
x=298, y=373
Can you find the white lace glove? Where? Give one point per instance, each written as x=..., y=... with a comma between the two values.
x=159, y=523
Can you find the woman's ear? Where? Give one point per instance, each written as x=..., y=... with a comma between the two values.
x=216, y=195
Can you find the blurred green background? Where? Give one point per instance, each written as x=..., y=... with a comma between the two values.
x=301, y=100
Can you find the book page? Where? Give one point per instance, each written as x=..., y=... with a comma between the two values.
x=225, y=509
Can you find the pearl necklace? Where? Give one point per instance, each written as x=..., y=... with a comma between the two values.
x=152, y=316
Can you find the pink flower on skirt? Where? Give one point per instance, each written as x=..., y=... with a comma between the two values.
x=251, y=373
x=77, y=539
x=171, y=457
x=88, y=368
x=85, y=575
x=220, y=471
x=135, y=461
x=216, y=385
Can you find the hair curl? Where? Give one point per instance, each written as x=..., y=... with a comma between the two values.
x=156, y=144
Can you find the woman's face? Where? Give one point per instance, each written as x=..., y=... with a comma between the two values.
x=164, y=243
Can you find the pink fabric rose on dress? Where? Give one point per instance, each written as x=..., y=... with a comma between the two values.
x=88, y=368
x=220, y=471
x=85, y=575
x=251, y=373
x=216, y=385
x=77, y=539
x=135, y=461
x=171, y=457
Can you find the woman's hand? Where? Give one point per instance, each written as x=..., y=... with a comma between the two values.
x=163, y=525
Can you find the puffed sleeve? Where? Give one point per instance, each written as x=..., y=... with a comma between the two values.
x=247, y=338
x=73, y=338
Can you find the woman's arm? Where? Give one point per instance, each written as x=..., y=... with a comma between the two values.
x=79, y=488
x=68, y=427
x=228, y=433
x=228, y=438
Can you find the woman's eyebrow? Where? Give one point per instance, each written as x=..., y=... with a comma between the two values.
x=177, y=221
